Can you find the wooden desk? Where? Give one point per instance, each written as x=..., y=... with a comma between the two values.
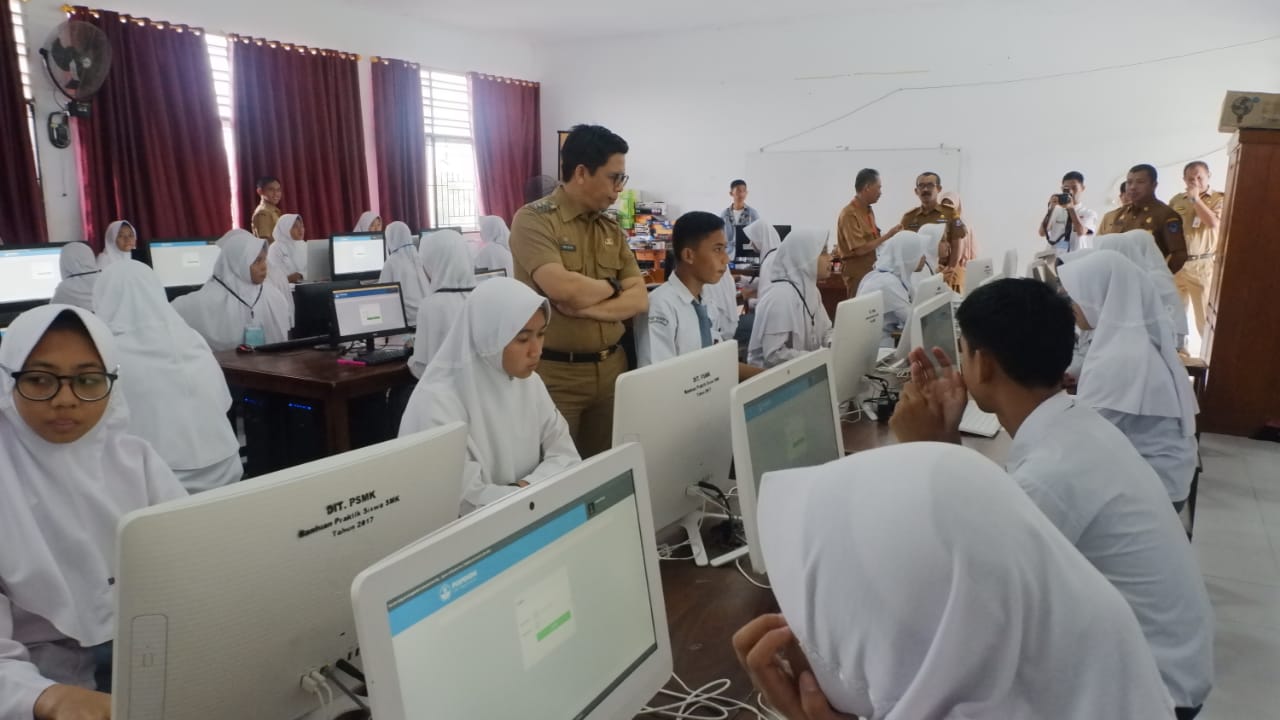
x=833, y=293
x=314, y=375
x=706, y=606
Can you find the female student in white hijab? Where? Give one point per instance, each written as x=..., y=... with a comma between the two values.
x=1139, y=246
x=899, y=259
x=118, y=243
x=178, y=398
x=791, y=320
x=237, y=306
x=71, y=471
x=450, y=278
x=484, y=375
x=404, y=267
x=766, y=241
x=919, y=581
x=79, y=273
x=496, y=252
x=287, y=256
x=1132, y=375
x=369, y=221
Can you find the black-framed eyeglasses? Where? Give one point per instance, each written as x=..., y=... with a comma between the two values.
x=40, y=385
x=926, y=186
x=619, y=179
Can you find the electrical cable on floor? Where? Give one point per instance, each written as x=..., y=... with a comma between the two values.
x=738, y=564
x=709, y=700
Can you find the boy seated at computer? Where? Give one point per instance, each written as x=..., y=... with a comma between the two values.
x=1016, y=341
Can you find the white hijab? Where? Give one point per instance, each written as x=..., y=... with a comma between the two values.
x=286, y=255
x=366, y=221
x=79, y=273
x=110, y=252
x=60, y=503
x=177, y=394
x=494, y=230
x=1141, y=249
x=766, y=240
x=403, y=266
x=496, y=252
x=444, y=255
x=930, y=236
x=1132, y=365
x=922, y=583
x=795, y=305
x=229, y=302
x=466, y=381
x=899, y=256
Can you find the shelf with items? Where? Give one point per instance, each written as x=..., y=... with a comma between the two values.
x=648, y=234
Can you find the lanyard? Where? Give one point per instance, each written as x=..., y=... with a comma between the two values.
x=236, y=296
x=813, y=316
x=91, y=272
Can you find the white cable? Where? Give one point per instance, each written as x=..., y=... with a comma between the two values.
x=310, y=685
x=323, y=684
x=709, y=698
x=738, y=564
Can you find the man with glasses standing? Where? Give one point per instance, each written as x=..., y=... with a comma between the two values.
x=569, y=251
x=930, y=212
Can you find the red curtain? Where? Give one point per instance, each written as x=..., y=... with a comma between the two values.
x=508, y=130
x=152, y=152
x=399, y=143
x=297, y=117
x=21, y=202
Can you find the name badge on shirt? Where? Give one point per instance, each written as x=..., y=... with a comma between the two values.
x=1196, y=222
x=566, y=247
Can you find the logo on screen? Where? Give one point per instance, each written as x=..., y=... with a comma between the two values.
x=445, y=593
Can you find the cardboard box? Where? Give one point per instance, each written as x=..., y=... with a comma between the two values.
x=1249, y=110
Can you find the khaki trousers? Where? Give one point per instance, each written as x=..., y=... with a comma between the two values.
x=583, y=393
x=1193, y=282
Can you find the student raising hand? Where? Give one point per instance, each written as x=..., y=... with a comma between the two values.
x=931, y=405
x=770, y=654
x=68, y=702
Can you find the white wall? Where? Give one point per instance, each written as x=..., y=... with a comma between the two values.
x=323, y=23
x=693, y=105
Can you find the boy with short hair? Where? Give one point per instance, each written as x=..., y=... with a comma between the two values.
x=267, y=214
x=738, y=214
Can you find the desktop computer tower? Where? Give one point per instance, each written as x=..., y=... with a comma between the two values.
x=280, y=432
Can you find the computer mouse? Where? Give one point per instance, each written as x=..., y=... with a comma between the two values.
x=244, y=349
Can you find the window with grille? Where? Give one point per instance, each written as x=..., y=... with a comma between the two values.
x=452, y=194
x=24, y=67
x=220, y=69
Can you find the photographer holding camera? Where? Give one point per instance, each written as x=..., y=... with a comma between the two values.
x=1068, y=225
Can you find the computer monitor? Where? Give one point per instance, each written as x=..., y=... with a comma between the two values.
x=368, y=312
x=1009, y=268
x=1047, y=273
x=742, y=245
x=930, y=287
x=856, y=342
x=977, y=272
x=676, y=410
x=227, y=599
x=783, y=231
x=29, y=273
x=482, y=275
x=784, y=418
x=319, y=264
x=183, y=262
x=356, y=256
x=934, y=326
x=546, y=604
x=312, y=311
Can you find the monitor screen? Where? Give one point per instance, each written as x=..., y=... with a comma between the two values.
x=482, y=275
x=792, y=426
x=183, y=262
x=29, y=273
x=563, y=603
x=368, y=311
x=357, y=254
x=938, y=330
x=742, y=243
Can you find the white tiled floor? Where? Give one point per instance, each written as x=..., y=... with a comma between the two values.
x=1237, y=535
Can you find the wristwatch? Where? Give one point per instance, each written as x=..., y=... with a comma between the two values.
x=617, y=287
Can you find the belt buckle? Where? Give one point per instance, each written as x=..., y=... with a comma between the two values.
x=603, y=355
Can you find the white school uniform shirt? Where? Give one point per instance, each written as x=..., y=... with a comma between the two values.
x=1141, y=249
x=514, y=431
x=792, y=321
x=79, y=274
x=446, y=261
x=404, y=267
x=722, y=306
x=1086, y=478
x=921, y=583
x=59, y=507
x=496, y=251
x=673, y=327
x=230, y=302
x=178, y=397
x=1058, y=224
x=1132, y=374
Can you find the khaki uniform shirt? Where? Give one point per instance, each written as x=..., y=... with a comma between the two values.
x=856, y=228
x=1108, y=220
x=1201, y=239
x=940, y=214
x=557, y=230
x=1160, y=219
x=264, y=219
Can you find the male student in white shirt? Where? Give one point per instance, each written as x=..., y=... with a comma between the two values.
x=1069, y=226
x=1016, y=340
x=679, y=321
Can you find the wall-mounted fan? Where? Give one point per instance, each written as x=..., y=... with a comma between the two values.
x=77, y=56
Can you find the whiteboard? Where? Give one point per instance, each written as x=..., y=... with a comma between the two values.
x=810, y=188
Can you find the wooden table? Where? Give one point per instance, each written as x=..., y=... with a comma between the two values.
x=706, y=606
x=314, y=375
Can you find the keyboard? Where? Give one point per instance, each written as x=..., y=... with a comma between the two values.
x=385, y=355
x=976, y=422
x=282, y=346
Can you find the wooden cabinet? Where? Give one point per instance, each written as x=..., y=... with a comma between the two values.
x=1242, y=338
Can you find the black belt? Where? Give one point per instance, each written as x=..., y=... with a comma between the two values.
x=598, y=356
x=1204, y=256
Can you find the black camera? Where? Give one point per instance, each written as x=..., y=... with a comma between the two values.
x=1064, y=199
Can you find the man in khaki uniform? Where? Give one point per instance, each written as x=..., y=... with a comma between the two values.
x=569, y=251
x=1201, y=211
x=930, y=212
x=856, y=233
x=1110, y=217
x=267, y=214
x=1145, y=212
